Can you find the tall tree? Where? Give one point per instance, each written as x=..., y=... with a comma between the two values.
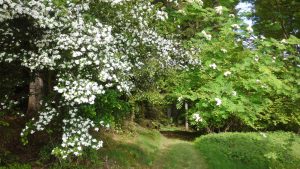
x=276, y=18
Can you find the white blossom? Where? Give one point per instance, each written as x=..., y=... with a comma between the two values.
x=262, y=37
x=256, y=58
x=232, y=15
x=219, y=10
x=218, y=101
x=283, y=41
x=235, y=26
x=213, y=66
x=224, y=50
x=207, y=36
x=197, y=117
x=249, y=29
x=200, y=2
x=234, y=93
x=227, y=73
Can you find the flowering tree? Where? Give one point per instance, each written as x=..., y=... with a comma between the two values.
x=90, y=48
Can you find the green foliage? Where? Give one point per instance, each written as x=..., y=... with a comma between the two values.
x=45, y=153
x=253, y=77
x=112, y=108
x=250, y=150
x=3, y=123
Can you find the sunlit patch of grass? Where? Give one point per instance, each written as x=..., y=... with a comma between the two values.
x=132, y=151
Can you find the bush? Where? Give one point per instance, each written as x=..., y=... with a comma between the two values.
x=251, y=150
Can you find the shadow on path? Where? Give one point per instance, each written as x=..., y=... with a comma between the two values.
x=182, y=135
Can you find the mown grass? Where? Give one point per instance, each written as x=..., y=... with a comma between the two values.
x=272, y=150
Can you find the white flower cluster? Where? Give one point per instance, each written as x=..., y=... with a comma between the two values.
x=37, y=10
x=218, y=101
x=235, y=26
x=200, y=2
x=76, y=136
x=161, y=15
x=213, y=66
x=224, y=50
x=45, y=117
x=227, y=73
x=167, y=51
x=234, y=93
x=249, y=29
x=6, y=104
x=206, y=35
x=116, y=2
x=197, y=117
x=174, y=1
x=76, y=130
x=256, y=58
x=79, y=90
x=219, y=10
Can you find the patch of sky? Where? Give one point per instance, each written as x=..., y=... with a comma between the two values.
x=244, y=8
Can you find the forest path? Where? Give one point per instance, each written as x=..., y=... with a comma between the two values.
x=178, y=154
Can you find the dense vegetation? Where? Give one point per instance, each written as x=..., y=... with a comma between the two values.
x=76, y=77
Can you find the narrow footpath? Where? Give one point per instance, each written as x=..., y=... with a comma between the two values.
x=178, y=154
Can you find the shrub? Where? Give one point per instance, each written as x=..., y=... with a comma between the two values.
x=251, y=150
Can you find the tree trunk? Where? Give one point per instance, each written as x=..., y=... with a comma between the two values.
x=186, y=116
x=133, y=110
x=281, y=20
x=228, y=126
x=169, y=112
x=35, y=94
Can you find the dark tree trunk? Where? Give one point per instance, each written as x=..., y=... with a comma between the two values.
x=133, y=110
x=35, y=94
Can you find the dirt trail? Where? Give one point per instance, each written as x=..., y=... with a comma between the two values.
x=178, y=154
